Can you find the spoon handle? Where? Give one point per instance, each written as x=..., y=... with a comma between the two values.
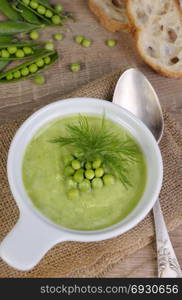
x=168, y=265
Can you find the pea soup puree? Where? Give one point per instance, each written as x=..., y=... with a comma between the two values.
x=84, y=172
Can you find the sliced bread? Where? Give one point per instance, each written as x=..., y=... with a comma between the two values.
x=158, y=34
x=111, y=13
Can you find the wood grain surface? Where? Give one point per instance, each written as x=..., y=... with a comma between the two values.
x=96, y=61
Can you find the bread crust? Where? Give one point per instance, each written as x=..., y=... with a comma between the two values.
x=108, y=23
x=137, y=31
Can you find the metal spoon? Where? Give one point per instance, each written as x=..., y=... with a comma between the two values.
x=134, y=93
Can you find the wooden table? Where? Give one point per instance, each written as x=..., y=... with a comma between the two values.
x=96, y=61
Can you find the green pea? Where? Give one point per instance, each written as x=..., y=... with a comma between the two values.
x=9, y=76
x=12, y=49
x=26, y=2
x=76, y=164
x=85, y=185
x=34, y=4
x=89, y=174
x=73, y=194
x=33, y=68
x=48, y=13
x=47, y=60
x=27, y=50
x=96, y=163
x=67, y=159
x=58, y=8
x=49, y=46
x=56, y=20
x=79, y=39
x=97, y=183
x=75, y=67
x=70, y=183
x=24, y=71
x=99, y=172
x=40, y=63
x=5, y=53
x=58, y=36
x=80, y=171
x=19, y=53
x=88, y=165
x=68, y=171
x=17, y=74
x=39, y=79
x=34, y=35
x=78, y=177
x=108, y=179
x=111, y=43
x=41, y=10
x=86, y=43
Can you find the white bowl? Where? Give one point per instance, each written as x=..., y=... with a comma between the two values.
x=34, y=234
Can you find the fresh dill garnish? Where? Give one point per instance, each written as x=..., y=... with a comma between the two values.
x=93, y=141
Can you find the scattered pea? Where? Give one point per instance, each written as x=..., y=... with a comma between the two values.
x=34, y=35
x=111, y=43
x=5, y=53
x=75, y=67
x=39, y=79
x=88, y=165
x=56, y=20
x=67, y=159
x=41, y=10
x=96, y=163
x=24, y=71
x=85, y=186
x=68, y=171
x=27, y=50
x=33, y=68
x=17, y=74
x=89, y=174
x=76, y=164
x=9, y=76
x=99, y=172
x=97, y=183
x=47, y=60
x=20, y=53
x=58, y=8
x=70, y=183
x=79, y=39
x=34, y=4
x=49, y=46
x=78, y=177
x=58, y=36
x=26, y=2
x=86, y=43
x=108, y=179
x=48, y=13
x=12, y=49
x=40, y=63
x=73, y=194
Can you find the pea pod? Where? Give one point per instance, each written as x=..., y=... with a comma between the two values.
x=27, y=14
x=8, y=11
x=12, y=27
x=48, y=19
x=3, y=64
x=33, y=50
x=49, y=57
x=7, y=38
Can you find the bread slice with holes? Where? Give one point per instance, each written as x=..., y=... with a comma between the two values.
x=158, y=34
x=111, y=13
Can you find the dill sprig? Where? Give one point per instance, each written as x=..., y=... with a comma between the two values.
x=93, y=141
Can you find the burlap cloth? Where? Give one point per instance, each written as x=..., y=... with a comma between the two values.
x=73, y=259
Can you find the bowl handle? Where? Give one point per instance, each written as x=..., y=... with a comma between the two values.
x=28, y=242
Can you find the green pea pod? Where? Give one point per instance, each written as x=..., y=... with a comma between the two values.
x=8, y=11
x=20, y=45
x=12, y=27
x=28, y=15
x=47, y=21
x=6, y=38
x=53, y=55
x=3, y=64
